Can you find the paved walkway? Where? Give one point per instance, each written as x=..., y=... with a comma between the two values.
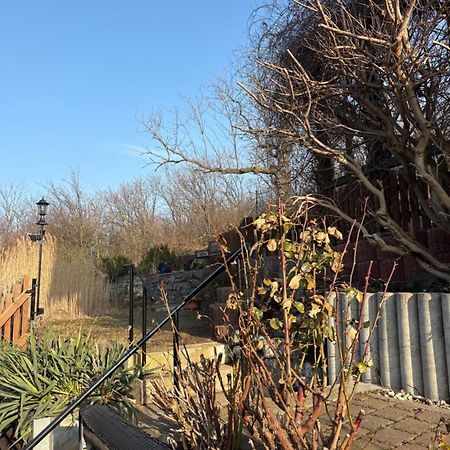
x=391, y=423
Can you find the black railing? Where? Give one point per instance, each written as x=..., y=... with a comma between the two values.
x=33, y=299
x=134, y=348
x=131, y=306
x=146, y=292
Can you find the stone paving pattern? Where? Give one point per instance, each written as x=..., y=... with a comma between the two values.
x=393, y=423
x=389, y=423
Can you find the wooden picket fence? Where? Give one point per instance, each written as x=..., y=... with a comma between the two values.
x=402, y=203
x=16, y=311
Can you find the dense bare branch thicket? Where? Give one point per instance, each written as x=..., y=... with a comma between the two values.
x=14, y=207
x=201, y=204
x=182, y=209
x=76, y=215
x=209, y=134
x=131, y=222
x=363, y=87
x=343, y=92
x=287, y=327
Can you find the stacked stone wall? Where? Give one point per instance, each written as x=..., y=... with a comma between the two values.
x=177, y=285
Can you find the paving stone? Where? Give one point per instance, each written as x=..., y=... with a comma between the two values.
x=445, y=413
x=413, y=426
x=325, y=422
x=361, y=432
x=443, y=428
x=377, y=403
x=393, y=438
x=411, y=447
x=424, y=439
x=361, y=398
x=380, y=395
x=392, y=413
x=391, y=423
x=410, y=405
x=367, y=443
x=375, y=423
x=431, y=416
x=355, y=407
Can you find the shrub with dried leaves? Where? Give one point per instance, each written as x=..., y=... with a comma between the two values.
x=279, y=390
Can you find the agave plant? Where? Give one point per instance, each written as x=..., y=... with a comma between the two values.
x=42, y=379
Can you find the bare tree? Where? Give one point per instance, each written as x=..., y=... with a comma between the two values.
x=365, y=85
x=349, y=92
x=132, y=220
x=76, y=215
x=211, y=135
x=202, y=204
x=15, y=210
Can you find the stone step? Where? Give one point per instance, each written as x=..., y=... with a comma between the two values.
x=158, y=360
x=160, y=365
x=158, y=426
x=165, y=377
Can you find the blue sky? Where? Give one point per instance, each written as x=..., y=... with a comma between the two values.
x=75, y=76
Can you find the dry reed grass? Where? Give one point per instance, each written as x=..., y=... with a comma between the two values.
x=71, y=285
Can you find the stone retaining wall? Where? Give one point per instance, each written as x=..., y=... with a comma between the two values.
x=177, y=285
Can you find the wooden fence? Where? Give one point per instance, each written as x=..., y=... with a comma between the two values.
x=16, y=310
x=402, y=203
x=246, y=231
x=405, y=209
x=436, y=241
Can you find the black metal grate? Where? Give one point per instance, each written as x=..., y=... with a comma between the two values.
x=115, y=432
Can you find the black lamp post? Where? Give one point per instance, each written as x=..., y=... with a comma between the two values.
x=42, y=211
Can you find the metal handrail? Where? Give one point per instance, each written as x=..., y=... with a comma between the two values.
x=133, y=271
x=139, y=274
x=134, y=348
x=146, y=291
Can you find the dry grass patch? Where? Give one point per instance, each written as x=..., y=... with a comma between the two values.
x=114, y=328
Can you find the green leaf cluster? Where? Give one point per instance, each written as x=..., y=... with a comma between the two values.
x=42, y=379
x=309, y=263
x=113, y=265
x=154, y=255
